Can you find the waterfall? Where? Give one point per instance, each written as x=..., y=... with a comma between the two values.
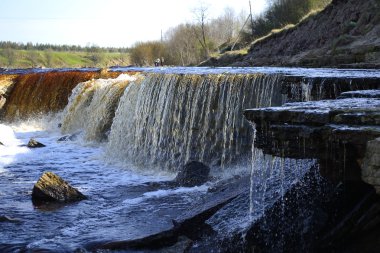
x=92, y=106
x=169, y=119
x=42, y=93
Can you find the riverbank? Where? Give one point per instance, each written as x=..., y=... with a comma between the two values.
x=344, y=35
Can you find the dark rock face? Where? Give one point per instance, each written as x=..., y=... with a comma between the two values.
x=193, y=174
x=371, y=164
x=334, y=131
x=52, y=188
x=300, y=88
x=1, y=144
x=317, y=216
x=35, y=144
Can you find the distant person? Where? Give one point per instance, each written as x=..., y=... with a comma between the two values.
x=157, y=62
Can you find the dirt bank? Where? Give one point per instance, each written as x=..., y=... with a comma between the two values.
x=345, y=34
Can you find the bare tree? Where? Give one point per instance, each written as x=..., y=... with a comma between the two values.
x=183, y=45
x=222, y=29
x=201, y=17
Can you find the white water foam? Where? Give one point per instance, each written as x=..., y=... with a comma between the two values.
x=164, y=193
x=10, y=148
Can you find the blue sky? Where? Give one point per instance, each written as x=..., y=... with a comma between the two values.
x=117, y=23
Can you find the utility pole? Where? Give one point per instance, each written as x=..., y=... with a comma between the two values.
x=250, y=14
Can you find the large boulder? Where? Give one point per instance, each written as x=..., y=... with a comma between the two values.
x=192, y=174
x=52, y=188
x=35, y=144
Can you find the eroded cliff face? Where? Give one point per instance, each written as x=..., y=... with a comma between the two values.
x=345, y=34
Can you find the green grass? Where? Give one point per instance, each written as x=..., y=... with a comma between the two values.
x=56, y=59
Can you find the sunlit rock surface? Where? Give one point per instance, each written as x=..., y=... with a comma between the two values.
x=35, y=144
x=52, y=188
x=6, y=86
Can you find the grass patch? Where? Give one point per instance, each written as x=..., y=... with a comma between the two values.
x=58, y=59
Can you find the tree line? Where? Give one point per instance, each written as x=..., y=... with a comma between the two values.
x=191, y=43
x=60, y=48
x=21, y=55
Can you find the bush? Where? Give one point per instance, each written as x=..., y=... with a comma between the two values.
x=145, y=53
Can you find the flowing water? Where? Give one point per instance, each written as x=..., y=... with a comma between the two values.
x=122, y=204
x=132, y=134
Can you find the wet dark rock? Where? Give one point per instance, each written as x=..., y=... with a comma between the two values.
x=371, y=164
x=5, y=218
x=360, y=94
x=35, y=144
x=343, y=135
x=52, y=188
x=301, y=88
x=358, y=229
x=335, y=132
x=187, y=228
x=193, y=174
x=69, y=137
x=315, y=215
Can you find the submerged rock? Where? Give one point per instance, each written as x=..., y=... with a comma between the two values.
x=35, y=144
x=360, y=94
x=5, y=218
x=52, y=188
x=193, y=174
x=187, y=227
x=69, y=137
